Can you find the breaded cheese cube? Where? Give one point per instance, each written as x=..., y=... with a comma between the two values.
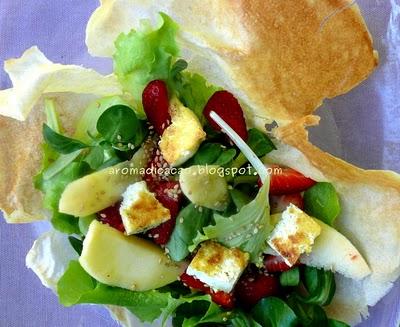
x=140, y=210
x=217, y=266
x=294, y=234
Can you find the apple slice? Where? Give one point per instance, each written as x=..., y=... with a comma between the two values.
x=101, y=189
x=130, y=262
x=333, y=251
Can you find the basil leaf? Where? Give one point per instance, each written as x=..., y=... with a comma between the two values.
x=320, y=285
x=310, y=315
x=336, y=323
x=118, y=124
x=290, y=277
x=61, y=143
x=321, y=201
x=189, y=221
x=225, y=157
x=76, y=244
x=273, y=312
x=260, y=142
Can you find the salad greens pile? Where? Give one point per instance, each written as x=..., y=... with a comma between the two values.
x=111, y=130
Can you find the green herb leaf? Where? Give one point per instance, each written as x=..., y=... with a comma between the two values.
x=239, y=198
x=225, y=157
x=207, y=154
x=95, y=157
x=65, y=223
x=321, y=201
x=118, y=124
x=308, y=314
x=61, y=143
x=84, y=223
x=320, y=285
x=273, y=312
x=260, y=142
x=241, y=319
x=189, y=221
x=76, y=244
x=248, y=230
x=145, y=55
x=290, y=277
x=336, y=323
x=179, y=66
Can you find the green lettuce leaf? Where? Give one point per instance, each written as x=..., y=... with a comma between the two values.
x=77, y=286
x=194, y=92
x=273, y=312
x=144, y=55
x=52, y=189
x=247, y=230
x=189, y=221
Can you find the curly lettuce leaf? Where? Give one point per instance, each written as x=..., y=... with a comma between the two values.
x=77, y=286
x=248, y=229
x=144, y=55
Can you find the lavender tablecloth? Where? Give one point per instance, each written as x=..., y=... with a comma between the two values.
x=362, y=128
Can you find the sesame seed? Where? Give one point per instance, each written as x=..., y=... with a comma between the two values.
x=156, y=235
x=119, y=137
x=181, y=220
x=103, y=215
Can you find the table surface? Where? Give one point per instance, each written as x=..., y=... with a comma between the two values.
x=58, y=28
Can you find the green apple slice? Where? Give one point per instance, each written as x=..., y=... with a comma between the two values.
x=101, y=189
x=130, y=262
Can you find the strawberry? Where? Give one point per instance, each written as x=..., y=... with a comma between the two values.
x=253, y=286
x=287, y=181
x=157, y=170
x=228, y=107
x=225, y=300
x=155, y=104
x=280, y=202
x=275, y=264
x=112, y=217
x=170, y=196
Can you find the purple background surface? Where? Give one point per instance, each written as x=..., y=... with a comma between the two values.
x=58, y=28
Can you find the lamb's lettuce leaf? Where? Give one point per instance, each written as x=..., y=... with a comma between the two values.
x=248, y=229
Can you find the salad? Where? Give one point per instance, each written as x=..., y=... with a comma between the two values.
x=175, y=208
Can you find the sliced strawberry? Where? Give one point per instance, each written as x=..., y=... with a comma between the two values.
x=157, y=170
x=253, y=286
x=112, y=217
x=286, y=180
x=228, y=107
x=280, y=202
x=155, y=104
x=275, y=264
x=170, y=196
x=225, y=300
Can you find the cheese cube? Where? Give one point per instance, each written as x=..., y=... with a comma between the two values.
x=140, y=210
x=181, y=140
x=294, y=234
x=217, y=266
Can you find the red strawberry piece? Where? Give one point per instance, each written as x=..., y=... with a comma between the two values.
x=170, y=196
x=286, y=180
x=225, y=300
x=112, y=217
x=253, y=286
x=280, y=202
x=229, y=109
x=155, y=104
x=275, y=264
x=157, y=170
